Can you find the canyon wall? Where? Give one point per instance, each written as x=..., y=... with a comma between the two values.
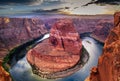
x=108, y=68
x=98, y=26
x=16, y=31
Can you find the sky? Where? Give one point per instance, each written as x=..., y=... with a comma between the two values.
x=71, y=7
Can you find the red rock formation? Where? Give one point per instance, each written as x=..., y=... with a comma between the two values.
x=63, y=36
x=108, y=68
x=16, y=31
x=4, y=76
x=58, y=53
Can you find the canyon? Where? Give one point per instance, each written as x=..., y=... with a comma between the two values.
x=22, y=30
x=17, y=31
x=14, y=32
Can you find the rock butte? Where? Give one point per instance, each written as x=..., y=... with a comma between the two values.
x=108, y=68
x=59, y=52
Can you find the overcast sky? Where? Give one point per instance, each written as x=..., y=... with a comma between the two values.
x=79, y=7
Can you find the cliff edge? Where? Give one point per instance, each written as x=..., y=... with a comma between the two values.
x=108, y=68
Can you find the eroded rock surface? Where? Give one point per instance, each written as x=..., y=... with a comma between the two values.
x=102, y=30
x=64, y=36
x=58, y=53
x=4, y=76
x=16, y=31
x=108, y=68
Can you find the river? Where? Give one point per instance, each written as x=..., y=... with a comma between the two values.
x=22, y=71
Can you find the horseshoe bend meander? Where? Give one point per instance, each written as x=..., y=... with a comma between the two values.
x=80, y=71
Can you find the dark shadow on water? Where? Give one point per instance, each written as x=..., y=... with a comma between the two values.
x=18, y=52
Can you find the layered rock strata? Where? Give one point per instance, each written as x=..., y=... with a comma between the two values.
x=58, y=53
x=98, y=25
x=108, y=68
x=102, y=30
x=16, y=31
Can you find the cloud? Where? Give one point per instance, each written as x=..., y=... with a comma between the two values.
x=2, y=8
x=104, y=2
x=29, y=2
x=45, y=11
x=55, y=10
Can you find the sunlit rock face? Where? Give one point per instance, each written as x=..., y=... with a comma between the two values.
x=58, y=53
x=108, y=68
x=4, y=76
x=16, y=31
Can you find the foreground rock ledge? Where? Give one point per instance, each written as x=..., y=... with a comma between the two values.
x=59, y=53
x=4, y=76
x=108, y=68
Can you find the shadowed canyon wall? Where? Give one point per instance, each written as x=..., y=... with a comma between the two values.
x=16, y=31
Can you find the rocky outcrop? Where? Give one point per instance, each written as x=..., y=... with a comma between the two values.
x=4, y=76
x=58, y=53
x=108, y=68
x=16, y=31
x=64, y=36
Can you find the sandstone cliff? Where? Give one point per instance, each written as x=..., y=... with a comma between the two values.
x=108, y=68
x=102, y=30
x=16, y=31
